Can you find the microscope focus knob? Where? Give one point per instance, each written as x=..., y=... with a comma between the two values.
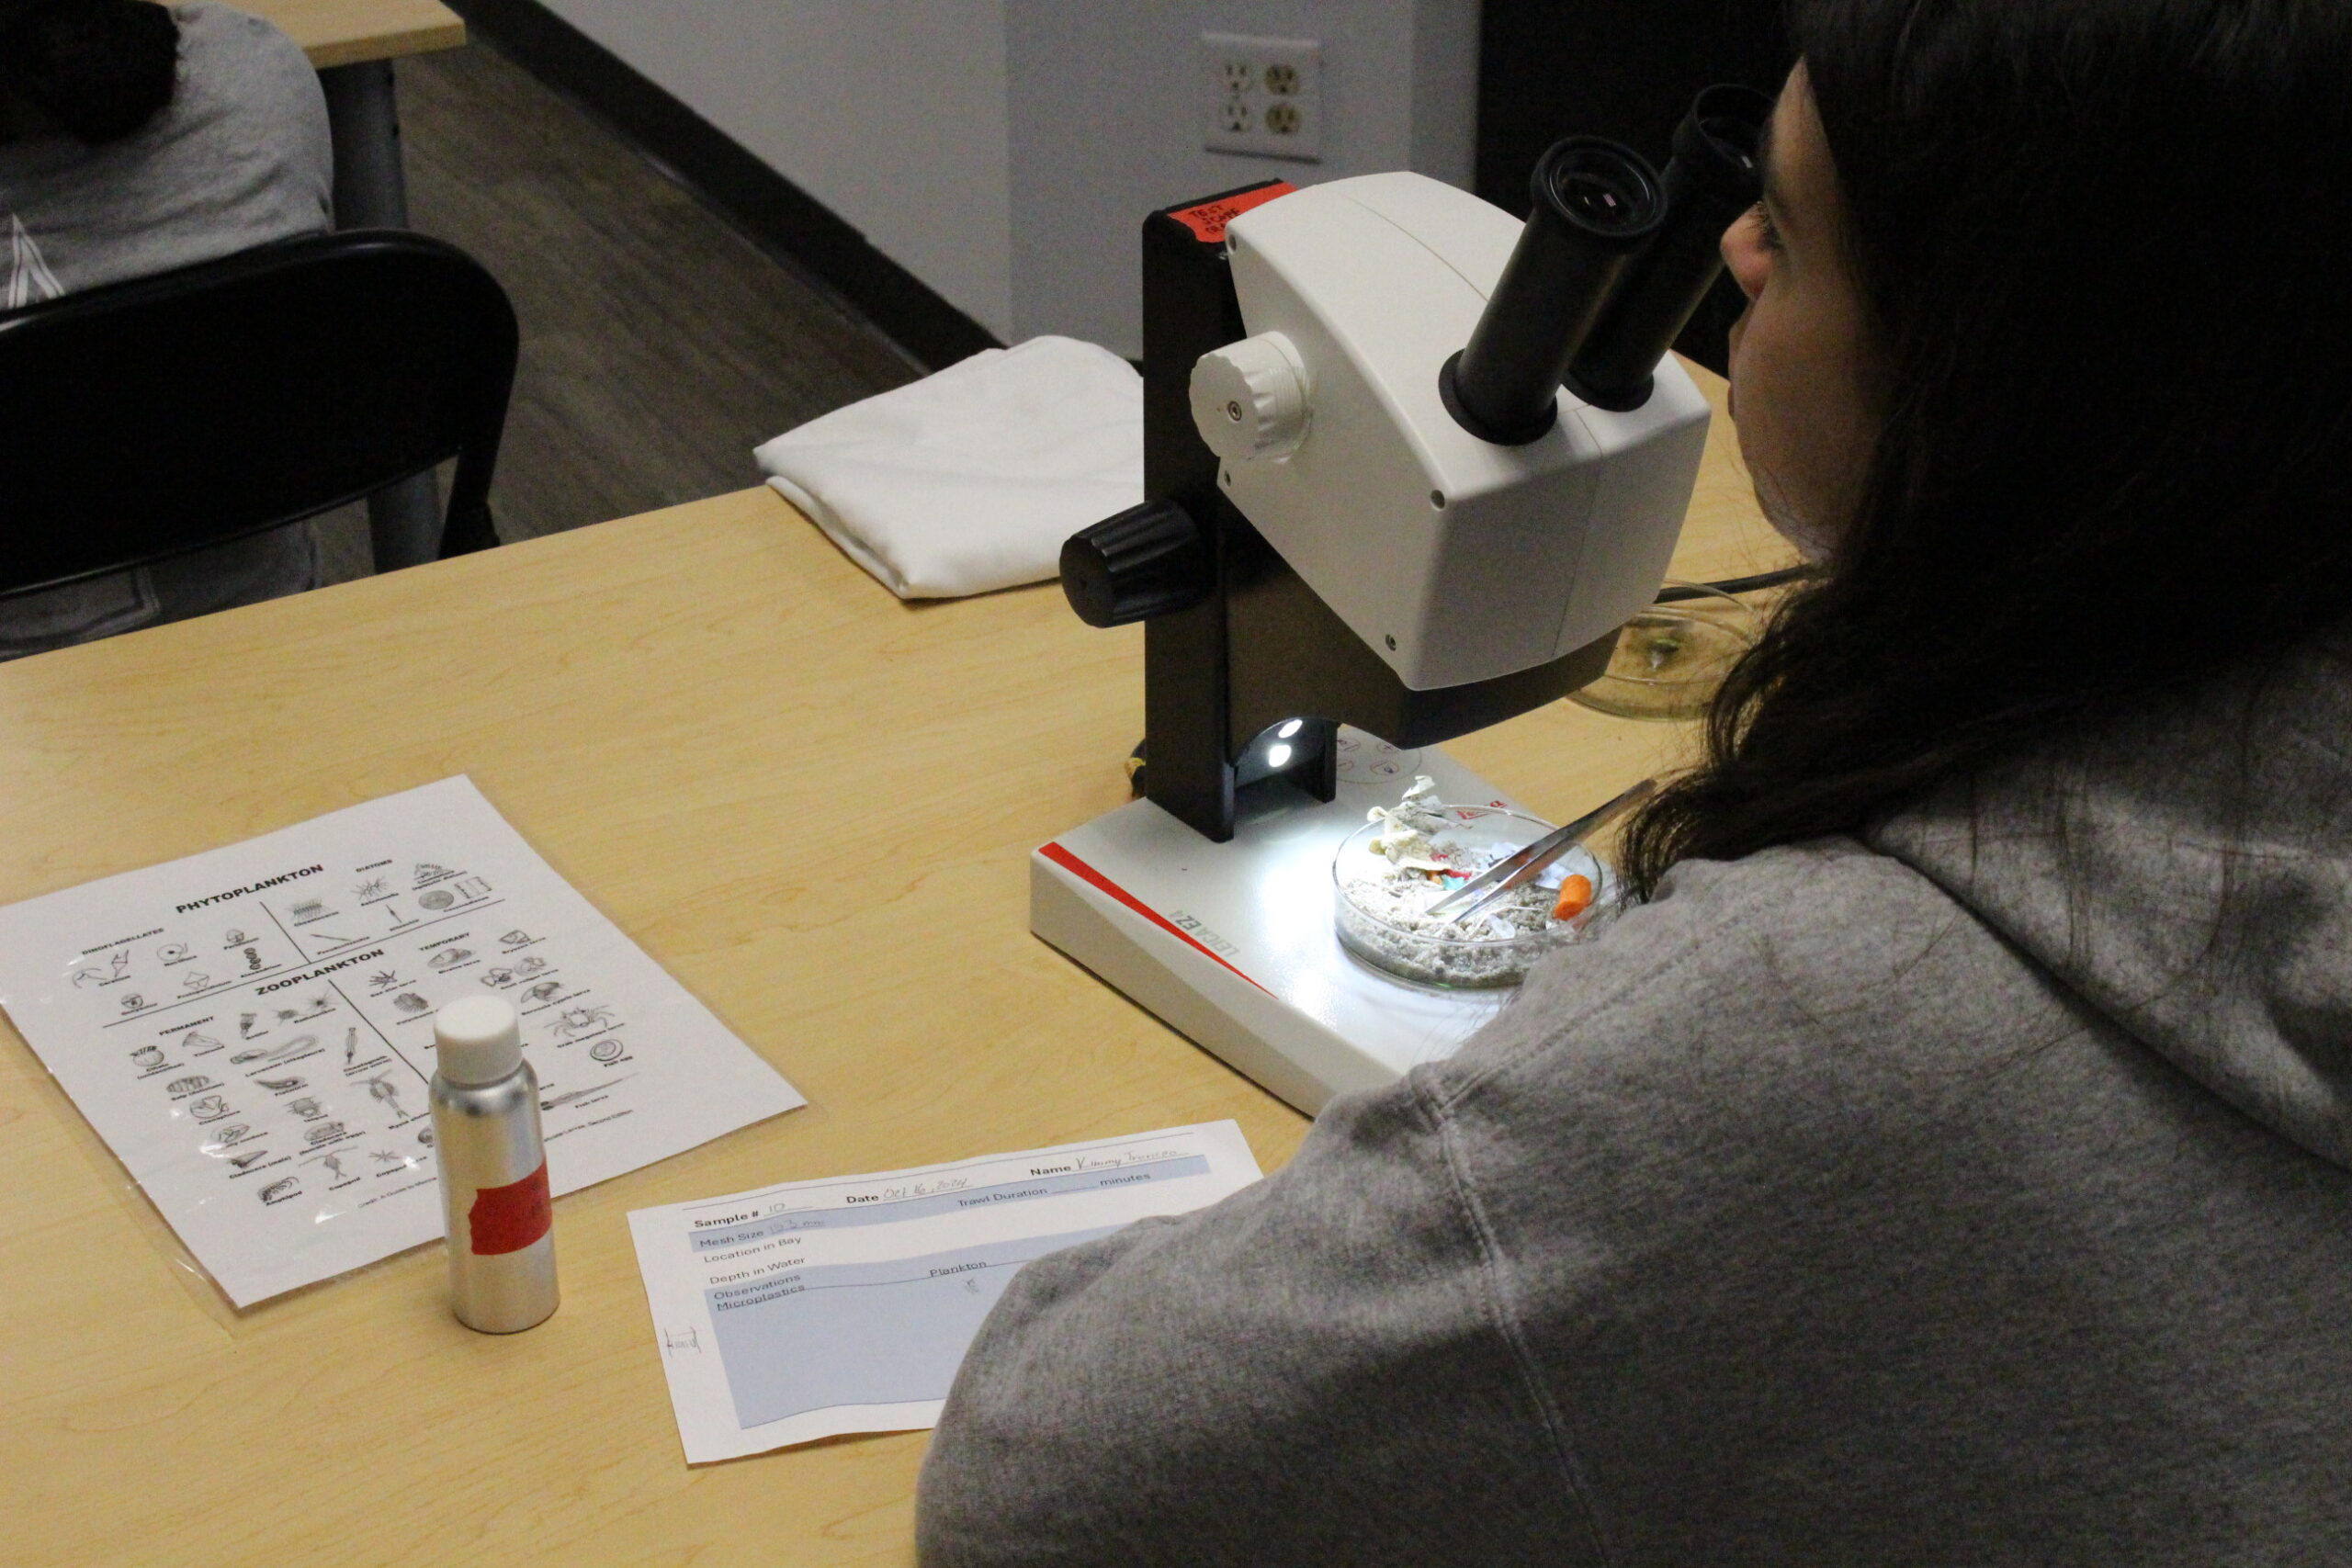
x=1250, y=398
x=1148, y=560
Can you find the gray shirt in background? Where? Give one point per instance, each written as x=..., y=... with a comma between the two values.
x=238, y=158
x=1973, y=1193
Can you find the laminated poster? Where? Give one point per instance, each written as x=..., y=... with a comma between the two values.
x=251, y=1029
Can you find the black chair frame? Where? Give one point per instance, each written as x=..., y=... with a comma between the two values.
x=166, y=414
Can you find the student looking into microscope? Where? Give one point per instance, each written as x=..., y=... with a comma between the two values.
x=1944, y=1159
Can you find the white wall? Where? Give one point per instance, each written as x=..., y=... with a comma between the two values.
x=1006, y=151
x=890, y=112
x=1106, y=118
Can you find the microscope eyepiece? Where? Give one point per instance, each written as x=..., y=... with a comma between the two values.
x=1596, y=187
x=1595, y=203
x=1714, y=177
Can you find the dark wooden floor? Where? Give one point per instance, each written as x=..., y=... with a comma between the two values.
x=659, y=345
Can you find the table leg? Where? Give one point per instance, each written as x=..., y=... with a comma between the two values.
x=371, y=192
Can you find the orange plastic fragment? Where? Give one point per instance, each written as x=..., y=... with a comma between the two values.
x=1575, y=897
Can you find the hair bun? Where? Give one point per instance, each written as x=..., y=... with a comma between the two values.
x=100, y=68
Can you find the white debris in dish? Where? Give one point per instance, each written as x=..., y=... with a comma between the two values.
x=1383, y=916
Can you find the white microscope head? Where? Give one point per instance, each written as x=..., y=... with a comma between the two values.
x=1455, y=559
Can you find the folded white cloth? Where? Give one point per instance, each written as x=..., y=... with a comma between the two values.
x=971, y=479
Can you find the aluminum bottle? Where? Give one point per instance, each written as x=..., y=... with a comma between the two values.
x=494, y=1198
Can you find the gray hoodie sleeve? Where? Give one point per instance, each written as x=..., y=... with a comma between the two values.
x=1291, y=1382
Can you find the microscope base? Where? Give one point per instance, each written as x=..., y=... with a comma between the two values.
x=1232, y=945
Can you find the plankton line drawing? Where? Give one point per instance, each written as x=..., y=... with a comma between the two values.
x=578, y=1021
x=281, y=1189
x=173, y=953
x=374, y=887
x=147, y=1058
x=409, y=1001
x=246, y=1162
x=451, y=957
x=307, y=1108
x=265, y=1055
x=387, y=1094
x=199, y=1044
x=568, y=1096
x=280, y=1086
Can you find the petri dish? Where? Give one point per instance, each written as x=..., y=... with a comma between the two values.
x=1377, y=914
x=1670, y=658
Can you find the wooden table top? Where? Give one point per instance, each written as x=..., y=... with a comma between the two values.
x=345, y=32
x=700, y=716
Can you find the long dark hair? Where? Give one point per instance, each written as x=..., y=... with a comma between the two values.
x=96, y=69
x=2105, y=246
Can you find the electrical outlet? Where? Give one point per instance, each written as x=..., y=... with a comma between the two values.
x=1262, y=96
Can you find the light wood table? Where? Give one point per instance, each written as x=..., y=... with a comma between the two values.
x=353, y=32
x=811, y=803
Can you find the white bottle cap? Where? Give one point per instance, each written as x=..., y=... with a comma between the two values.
x=478, y=1040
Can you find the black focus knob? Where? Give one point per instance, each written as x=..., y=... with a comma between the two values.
x=1149, y=560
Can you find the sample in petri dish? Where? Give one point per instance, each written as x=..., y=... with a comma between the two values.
x=1388, y=874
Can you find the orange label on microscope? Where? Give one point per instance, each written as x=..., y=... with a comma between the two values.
x=1209, y=218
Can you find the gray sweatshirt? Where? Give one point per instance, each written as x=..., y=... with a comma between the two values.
x=1958, y=1197
x=238, y=158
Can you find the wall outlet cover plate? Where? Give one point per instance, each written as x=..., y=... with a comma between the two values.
x=1262, y=96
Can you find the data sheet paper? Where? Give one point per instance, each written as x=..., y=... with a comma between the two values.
x=251, y=1029
x=820, y=1308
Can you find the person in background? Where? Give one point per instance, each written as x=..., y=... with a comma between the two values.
x=1948, y=1157
x=136, y=138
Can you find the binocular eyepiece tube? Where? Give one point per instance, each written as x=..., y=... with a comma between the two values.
x=1613, y=261
x=1596, y=202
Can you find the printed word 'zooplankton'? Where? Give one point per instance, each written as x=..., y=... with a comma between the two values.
x=321, y=969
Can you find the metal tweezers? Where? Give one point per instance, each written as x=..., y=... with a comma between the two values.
x=1517, y=870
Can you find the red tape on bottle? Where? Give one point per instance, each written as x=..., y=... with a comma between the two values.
x=510, y=1218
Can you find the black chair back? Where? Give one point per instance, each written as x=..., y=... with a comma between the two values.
x=157, y=416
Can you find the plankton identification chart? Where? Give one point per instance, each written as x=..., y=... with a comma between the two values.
x=306, y=1150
